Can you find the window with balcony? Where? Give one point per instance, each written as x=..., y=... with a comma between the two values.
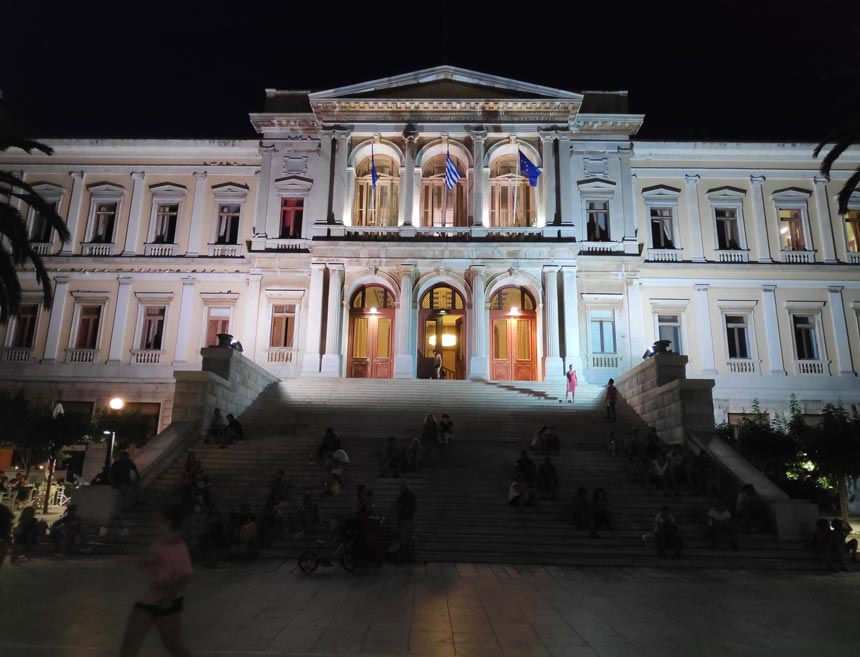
x=283, y=326
x=166, y=216
x=737, y=336
x=292, y=212
x=441, y=206
x=377, y=205
x=103, y=220
x=791, y=229
x=512, y=198
x=217, y=321
x=597, y=220
x=669, y=328
x=805, y=337
x=852, y=230
x=229, y=215
x=152, y=328
x=662, y=228
x=87, y=331
x=24, y=328
x=602, y=332
x=728, y=232
x=40, y=229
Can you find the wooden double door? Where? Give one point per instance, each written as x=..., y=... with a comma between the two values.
x=514, y=346
x=371, y=345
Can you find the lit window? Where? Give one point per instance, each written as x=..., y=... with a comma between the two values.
x=661, y=228
x=791, y=229
x=218, y=321
x=669, y=328
x=597, y=221
x=805, y=341
x=512, y=198
x=103, y=223
x=87, y=335
x=283, y=325
x=228, y=223
x=153, y=327
x=292, y=211
x=737, y=336
x=728, y=234
x=602, y=332
x=373, y=296
x=377, y=206
x=441, y=206
x=852, y=230
x=24, y=332
x=165, y=223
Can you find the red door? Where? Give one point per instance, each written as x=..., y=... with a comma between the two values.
x=371, y=353
x=513, y=347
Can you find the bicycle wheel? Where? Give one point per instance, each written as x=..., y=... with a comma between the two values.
x=308, y=562
x=347, y=559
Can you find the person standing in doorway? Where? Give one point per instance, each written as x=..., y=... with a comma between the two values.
x=437, y=365
x=611, y=400
x=571, y=385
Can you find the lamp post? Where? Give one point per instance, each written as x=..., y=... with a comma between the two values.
x=115, y=404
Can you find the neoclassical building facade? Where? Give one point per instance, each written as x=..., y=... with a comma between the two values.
x=373, y=225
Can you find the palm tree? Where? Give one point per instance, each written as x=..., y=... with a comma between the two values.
x=842, y=139
x=15, y=248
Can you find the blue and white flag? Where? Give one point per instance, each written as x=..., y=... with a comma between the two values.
x=373, y=175
x=529, y=170
x=452, y=176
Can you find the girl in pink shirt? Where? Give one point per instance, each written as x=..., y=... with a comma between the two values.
x=168, y=568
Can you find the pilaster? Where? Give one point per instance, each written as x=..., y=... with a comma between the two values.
x=706, y=340
x=631, y=243
x=407, y=182
x=339, y=182
x=311, y=360
x=263, y=222
x=74, y=216
x=120, y=317
x=183, y=357
x=478, y=137
x=553, y=364
x=825, y=222
x=759, y=220
x=570, y=311
x=135, y=214
x=404, y=362
x=547, y=182
x=252, y=302
x=195, y=235
x=565, y=181
x=55, y=323
x=840, y=331
x=694, y=216
x=479, y=365
x=331, y=360
x=771, y=330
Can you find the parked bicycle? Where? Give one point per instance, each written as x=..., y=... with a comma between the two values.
x=340, y=550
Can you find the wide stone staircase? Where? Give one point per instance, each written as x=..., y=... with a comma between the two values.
x=462, y=489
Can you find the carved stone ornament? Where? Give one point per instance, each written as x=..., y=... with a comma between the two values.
x=295, y=165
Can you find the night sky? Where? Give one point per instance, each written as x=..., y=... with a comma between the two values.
x=753, y=70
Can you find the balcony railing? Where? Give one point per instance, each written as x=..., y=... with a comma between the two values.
x=601, y=247
x=225, y=250
x=798, y=257
x=146, y=356
x=810, y=367
x=853, y=257
x=741, y=366
x=17, y=354
x=81, y=355
x=42, y=248
x=282, y=355
x=604, y=360
x=732, y=255
x=159, y=250
x=665, y=255
x=97, y=248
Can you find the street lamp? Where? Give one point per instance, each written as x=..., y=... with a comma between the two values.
x=116, y=403
x=109, y=452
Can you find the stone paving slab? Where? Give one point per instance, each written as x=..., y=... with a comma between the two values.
x=77, y=608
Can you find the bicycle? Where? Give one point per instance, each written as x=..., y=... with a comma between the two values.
x=342, y=552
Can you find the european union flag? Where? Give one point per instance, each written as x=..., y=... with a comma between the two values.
x=529, y=170
x=373, y=175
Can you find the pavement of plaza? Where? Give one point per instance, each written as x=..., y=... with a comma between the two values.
x=77, y=608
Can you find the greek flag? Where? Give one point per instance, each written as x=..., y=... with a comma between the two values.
x=373, y=175
x=451, y=173
x=529, y=170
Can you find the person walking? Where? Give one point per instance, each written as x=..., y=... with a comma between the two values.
x=437, y=365
x=611, y=400
x=168, y=567
x=571, y=385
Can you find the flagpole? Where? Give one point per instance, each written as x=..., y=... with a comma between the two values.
x=516, y=182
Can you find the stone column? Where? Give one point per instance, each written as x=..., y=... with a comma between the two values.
x=350, y=196
x=135, y=214
x=74, y=211
x=705, y=332
x=840, y=331
x=479, y=365
x=183, y=356
x=825, y=223
x=694, y=219
x=565, y=180
x=771, y=330
x=331, y=360
x=635, y=317
x=311, y=361
x=404, y=361
x=339, y=182
x=197, y=223
x=570, y=310
x=120, y=317
x=407, y=181
x=553, y=364
x=759, y=221
x=631, y=243
x=248, y=338
x=55, y=323
x=263, y=222
x=478, y=137
x=326, y=144
x=547, y=182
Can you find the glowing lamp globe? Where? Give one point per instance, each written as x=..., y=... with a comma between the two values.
x=116, y=403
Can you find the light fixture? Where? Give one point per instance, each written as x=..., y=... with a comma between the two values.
x=448, y=340
x=116, y=403
x=515, y=311
x=783, y=230
x=373, y=310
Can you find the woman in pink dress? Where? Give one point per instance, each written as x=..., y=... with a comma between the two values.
x=571, y=384
x=168, y=567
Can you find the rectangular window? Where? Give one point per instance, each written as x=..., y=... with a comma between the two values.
x=661, y=228
x=737, y=336
x=88, y=327
x=24, y=332
x=728, y=235
x=852, y=230
x=218, y=321
x=597, y=221
x=153, y=327
x=165, y=223
x=292, y=211
x=602, y=332
x=228, y=223
x=791, y=229
x=103, y=222
x=669, y=328
x=805, y=341
x=283, y=325
x=40, y=229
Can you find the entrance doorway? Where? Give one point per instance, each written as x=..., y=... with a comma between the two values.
x=371, y=334
x=442, y=327
x=513, y=335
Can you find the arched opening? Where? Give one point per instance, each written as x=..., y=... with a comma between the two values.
x=512, y=198
x=442, y=327
x=376, y=205
x=441, y=206
x=371, y=333
x=513, y=335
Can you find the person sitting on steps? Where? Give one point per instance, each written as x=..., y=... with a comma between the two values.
x=445, y=430
x=547, y=478
x=519, y=494
x=666, y=533
x=526, y=467
x=721, y=526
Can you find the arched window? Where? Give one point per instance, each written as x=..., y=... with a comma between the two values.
x=512, y=199
x=372, y=297
x=441, y=206
x=442, y=297
x=377, y=206
x=512, y=298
